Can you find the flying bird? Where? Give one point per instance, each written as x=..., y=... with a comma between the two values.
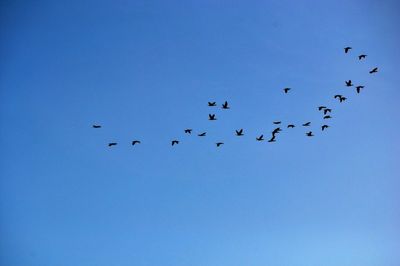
x=342, y=99
x=374, y=70
x=219, y=144
x=212, y=104
x=286, y=90
x=202, y=134
x=174, y=142
x=327, y=117
x=348, y=83
x=324, y=127
x=211, y=117
x=321, y=108
x=260, y=138
x=276, y=122
x=225, y=105
x=239, y=132
x=188, y=131
x=362, y=56
x=347, y=49
x=309, y=134
x=272, y=139
x=135, y=142
x=290, y=126
x=96, y=126
x=112, y=144
x=327, y=110
x=338, y=96
x=306, y=124
x=276, y=130
x=358, y=88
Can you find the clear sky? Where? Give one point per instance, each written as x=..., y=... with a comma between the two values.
x=145, y=70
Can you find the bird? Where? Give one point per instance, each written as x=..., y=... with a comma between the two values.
x=135, y=142
x=338, y=96
x=272, y=139
x=239, y=132
x=174, y=142
x=96, y=126
x=362, y=56
x=324, y=127
x=321, y=107
x=112, y=144
x=309, y=134
x=348, y=83
x=211, y=117
x=225, y=105
x=347, y=49
x=374, y=70
x=327, y=117
x=342, y=99
x=276, y=130
x=260, y=138
x=290, y=126
x=219, y=144
x=327, y=110
x=188, y=131
x=212, y=104
x=286, y=90
x=202, y=134
x=358, y=88
x=276, y=122
x=306, y=124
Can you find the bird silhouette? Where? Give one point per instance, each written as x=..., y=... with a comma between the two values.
x=276, y=122
x=219, y=144
x=290, y=126
x=321, y=108
x=272, y=138
x=358, y=88
x=276, y=130
x=211, y=117
x=286, y=90
x=188, y=131
x=362, y=56
x=306, y=124
x=347, y=49
x=348, y=83
x=338, y=96
x=239, y=132
x=374, y=70
x=202, y=134
x=112, y=144
x=135, y=142
x=342, y=99
x=324, y=127
x=212, y=104
x=327, y=117
x=309, y=134
x=260, y=138
x=174, y=142
x=96, y=126
x=327, y=110
x=225, y=105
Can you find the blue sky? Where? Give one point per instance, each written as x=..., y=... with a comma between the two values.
x=145, y=70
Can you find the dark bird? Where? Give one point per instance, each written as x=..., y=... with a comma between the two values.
x=188, y=131
x=348, y=83
x=358, y=88
x=290, y=126
x=260, y=138
x=327, y=110
x=135, y=142
x=112, y=144
x=321, y=108
x=374, y=70
x=362, y=56
x=277, y=122
x=272, y=139
x=239, y=132
x=324, y=127
x=286, y=90
x=212, y=104
x=338, y=96
x=276, y=130
x=202, y=134
x=174, y=142
x=309, y=134
x=211, y=117
x=342, y=99
x=96, y=126
x=225, y=105
x=219, y=144
x=347, y=49
x=327, y=117
x=306, y=124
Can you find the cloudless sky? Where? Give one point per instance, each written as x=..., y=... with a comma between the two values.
x=145, y=70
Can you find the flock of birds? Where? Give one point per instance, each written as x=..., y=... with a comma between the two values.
x=240, y=132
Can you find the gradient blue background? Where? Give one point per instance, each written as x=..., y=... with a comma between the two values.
x=145, y=70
